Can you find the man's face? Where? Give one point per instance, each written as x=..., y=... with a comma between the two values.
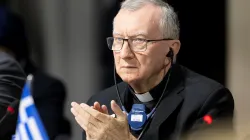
x=135, y=67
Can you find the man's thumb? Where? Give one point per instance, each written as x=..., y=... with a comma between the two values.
x=117, y=110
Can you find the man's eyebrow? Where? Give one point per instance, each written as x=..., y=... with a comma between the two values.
x=116, y=33
x=140, y=33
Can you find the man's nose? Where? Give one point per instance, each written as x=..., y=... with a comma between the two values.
x=126, y=51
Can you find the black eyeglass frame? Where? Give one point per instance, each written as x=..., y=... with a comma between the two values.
x=123, y=40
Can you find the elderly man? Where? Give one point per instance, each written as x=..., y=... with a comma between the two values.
x=158, y=99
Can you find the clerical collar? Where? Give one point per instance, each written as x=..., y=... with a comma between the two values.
x=145, y=97
x=153, y=94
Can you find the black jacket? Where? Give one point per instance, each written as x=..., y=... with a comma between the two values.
x=12, y=79
x=189, y=98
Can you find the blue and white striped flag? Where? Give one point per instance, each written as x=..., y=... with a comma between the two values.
x=29, y=124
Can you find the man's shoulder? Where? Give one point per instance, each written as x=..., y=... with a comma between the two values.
x=199, y=88
x=108, y=94
x=200, y=82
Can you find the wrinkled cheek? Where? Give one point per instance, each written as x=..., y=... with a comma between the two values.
x=117, y=61
x=116, y=56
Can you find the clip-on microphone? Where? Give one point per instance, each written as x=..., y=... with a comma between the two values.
x=137, y=117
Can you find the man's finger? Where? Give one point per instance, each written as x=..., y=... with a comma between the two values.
x=100, y=108
x=77, y=110
x=87, y=126
x=105, y=109
x=97, y=106
x=117, y=110
x=94, y=113
x=80, y=120
x=86, y=117
x=74, y=112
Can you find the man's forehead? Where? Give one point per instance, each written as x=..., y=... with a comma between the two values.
x=146, y=8
x=140, y=13
x=139, y=22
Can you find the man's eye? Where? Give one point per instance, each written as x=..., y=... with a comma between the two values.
x=118, y=40
x=138, y=40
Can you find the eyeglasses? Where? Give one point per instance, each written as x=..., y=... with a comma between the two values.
x=136, y=44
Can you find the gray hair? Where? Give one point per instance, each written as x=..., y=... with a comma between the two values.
x=169, y=23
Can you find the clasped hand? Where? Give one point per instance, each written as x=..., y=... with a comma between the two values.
x=99, y=125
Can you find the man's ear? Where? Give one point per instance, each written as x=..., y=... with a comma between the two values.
x=175, y=45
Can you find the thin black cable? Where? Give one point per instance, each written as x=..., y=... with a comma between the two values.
x=155, y=108
x=3, y=118
x=117, y=90
x=157, y=104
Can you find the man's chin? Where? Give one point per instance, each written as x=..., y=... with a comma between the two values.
x=130, y=80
